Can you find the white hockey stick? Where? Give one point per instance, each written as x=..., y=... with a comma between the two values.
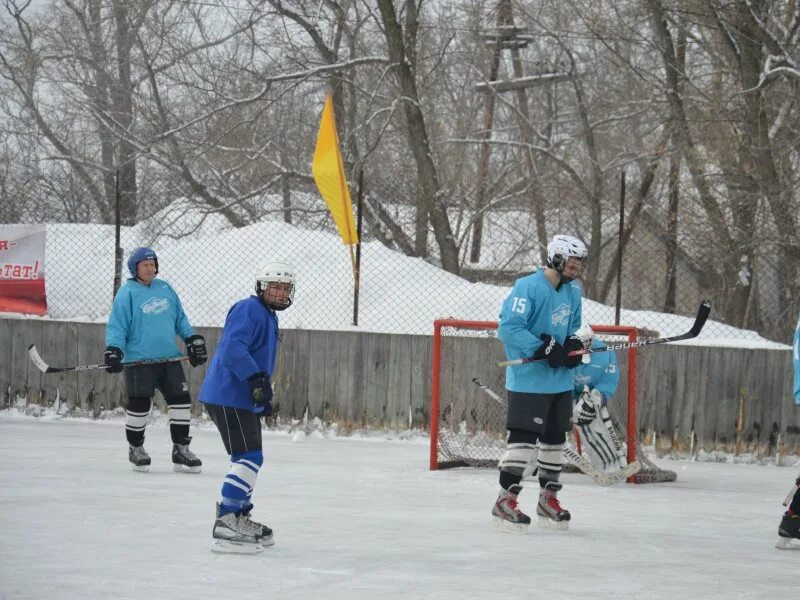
x=700, y=320
x=604, y=479
x=45, y=368
x=788, y=500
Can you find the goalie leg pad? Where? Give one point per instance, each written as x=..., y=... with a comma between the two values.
x=598, y=445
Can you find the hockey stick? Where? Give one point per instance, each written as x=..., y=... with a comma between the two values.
x=604, y=479
x=790, y=495
x=45, y=368
x=700, y=320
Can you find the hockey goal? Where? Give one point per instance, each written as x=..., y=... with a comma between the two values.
x=468, y=428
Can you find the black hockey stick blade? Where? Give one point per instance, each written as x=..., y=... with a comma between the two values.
x=697, y=327
x=700, y=320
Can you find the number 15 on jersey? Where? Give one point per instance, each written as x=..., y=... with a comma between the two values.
x=518, y=305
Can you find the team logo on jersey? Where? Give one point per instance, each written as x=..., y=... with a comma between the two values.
x=582, y=379
x=560, y=315
x=538, y=420
x=155, y=306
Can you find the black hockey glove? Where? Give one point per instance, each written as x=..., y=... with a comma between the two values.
x=573, y=343
x=113, y=358
x=261, y=391
x=196, y=349
x=552, y=351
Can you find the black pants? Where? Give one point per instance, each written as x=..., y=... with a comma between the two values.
x=240, y=429
x=141, y=383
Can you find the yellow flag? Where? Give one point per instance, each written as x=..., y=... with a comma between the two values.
x=328, y=170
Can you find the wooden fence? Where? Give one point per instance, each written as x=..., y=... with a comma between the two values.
x=728, y=399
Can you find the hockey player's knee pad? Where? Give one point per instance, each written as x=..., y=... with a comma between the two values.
x=519, y=458
x=181, y=400
x=553, y=438
x=255, y=458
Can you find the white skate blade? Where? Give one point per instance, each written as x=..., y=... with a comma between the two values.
x=229, y=547
x=140, y=468
x=267, y=541
x=787, y=543
x=508, y=526
x=546, y=523
x=184, y=469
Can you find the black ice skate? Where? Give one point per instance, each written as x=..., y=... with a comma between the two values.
x=183, y=459
x=789, y=533
x=505, y=514
x=551, y=514
x=234, y=535
x=263, y=533
x=139, y=459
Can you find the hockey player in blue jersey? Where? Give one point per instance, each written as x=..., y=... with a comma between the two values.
x=596, y=381
x=789, y=528
x=145, y=318
x=540, y=318
x=236, y=392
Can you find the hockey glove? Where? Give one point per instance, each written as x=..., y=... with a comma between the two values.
x=196, y=349
x=112, y=357
x=551, y=350
x=585, y=410
x=261, y=391
x=573, y=343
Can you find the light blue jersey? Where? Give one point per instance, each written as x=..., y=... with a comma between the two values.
x=796, y=357
x=533, y=308
x=601, y=373
x=145, y=320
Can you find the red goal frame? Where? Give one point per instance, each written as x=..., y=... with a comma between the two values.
x=618, y=330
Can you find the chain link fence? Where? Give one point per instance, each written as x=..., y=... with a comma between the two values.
x=211, y=255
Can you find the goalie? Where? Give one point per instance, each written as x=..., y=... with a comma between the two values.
x=596, y=381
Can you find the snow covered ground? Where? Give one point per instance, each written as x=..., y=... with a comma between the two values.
x=365, y=519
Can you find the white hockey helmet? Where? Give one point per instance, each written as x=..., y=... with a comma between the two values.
x=563, y=247
x=585, y=334
x=276, y=272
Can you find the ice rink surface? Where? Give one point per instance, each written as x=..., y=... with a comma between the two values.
x=365, y=519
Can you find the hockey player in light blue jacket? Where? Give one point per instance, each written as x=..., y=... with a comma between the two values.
x=596, y=381
x=237, y=391
x=789, y=528
x=539, y=319
x=598, y=371
x=145, y=318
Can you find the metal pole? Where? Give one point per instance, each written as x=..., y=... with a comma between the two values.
x=619, y=246
x=117, y=245
x=357, y=274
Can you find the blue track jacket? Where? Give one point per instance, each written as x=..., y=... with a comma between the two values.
x=145, y=320
x=601, y=373
x=532, y=308
x=249, y=345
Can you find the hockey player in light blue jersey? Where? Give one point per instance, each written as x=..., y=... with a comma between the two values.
x=596, y=380
x=145, y=318
x=539, y=318
x=789, y=528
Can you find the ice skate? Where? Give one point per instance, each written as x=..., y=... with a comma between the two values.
x=183, y=459
x=234, y=535
x=505, y=514
x=789, y=533
x=263, y=533
x=139, y=459
x=551, y=514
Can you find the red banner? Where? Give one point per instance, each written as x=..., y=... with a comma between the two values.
x=22, y=269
